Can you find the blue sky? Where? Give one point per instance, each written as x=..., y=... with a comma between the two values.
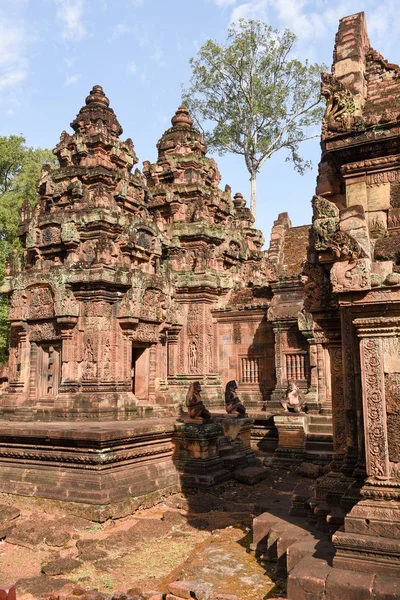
x=53, y=51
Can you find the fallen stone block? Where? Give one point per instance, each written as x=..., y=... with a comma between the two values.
x=61, y=566
x=180, y=589
x=311, y=470
x=250, y=475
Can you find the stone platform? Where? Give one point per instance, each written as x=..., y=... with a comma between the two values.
x=100, y=466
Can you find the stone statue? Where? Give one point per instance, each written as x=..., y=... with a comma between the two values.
x=232, y=402
x=195, y=405
x=292, y=398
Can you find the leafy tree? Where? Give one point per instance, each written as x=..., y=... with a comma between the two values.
x=20, y=168
x=259, y=98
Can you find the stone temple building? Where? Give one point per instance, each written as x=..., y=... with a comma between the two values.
x=135, y=283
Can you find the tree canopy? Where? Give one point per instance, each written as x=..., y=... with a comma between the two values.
x=20, y=168
x=256, y=98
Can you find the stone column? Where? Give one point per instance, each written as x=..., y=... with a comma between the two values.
x=370, y=540
x=349, y=391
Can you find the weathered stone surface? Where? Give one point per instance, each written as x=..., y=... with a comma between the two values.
x=250, y=475
x=309, y=470
x=180, y=588
x=348, y=585
x=39, y=585
x=307, y=580
x=60, y=566
x=8, y=513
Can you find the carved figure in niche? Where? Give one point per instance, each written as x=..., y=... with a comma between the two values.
x=107, y=359
x=90, y=366
x=232, y=402
x=196, y=407
x=192, y=357
x=13, y=263
x=292, y=397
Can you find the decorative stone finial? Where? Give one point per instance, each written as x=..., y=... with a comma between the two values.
x=98, y=96
x=238, y=200
x=182, y=118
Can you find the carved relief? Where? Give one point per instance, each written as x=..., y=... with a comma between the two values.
x=89, y=359
x=43, y=331
x=19, y=305
x=373, y=385
x=392, y=397
x=338, y=399
x=145, y=332
x=192, y=357
x=40, y=300
x=340, y=105
x=193, y=320
x=317, y=289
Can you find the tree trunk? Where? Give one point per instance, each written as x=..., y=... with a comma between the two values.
x=253, y=200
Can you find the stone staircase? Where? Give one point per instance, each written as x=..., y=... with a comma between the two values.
x=319, y=442
x=291, y=547
x=243, y=464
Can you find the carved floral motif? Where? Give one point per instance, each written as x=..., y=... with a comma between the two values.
x=376, y=443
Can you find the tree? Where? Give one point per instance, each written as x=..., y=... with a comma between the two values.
x=259, y=98
x=20, y=168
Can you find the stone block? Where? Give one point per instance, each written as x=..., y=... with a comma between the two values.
x=303, y=547
x=386, y=588
x=250, y=475
x=356, y=193
x=307, y=580
x=180, y=588
x=346, y=66
x=308, y=470
x=377, y=223
x=349, y=585
x=378, y=197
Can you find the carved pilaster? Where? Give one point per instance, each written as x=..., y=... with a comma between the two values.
x=173, y=358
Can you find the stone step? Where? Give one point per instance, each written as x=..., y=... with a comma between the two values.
x=320, y=428
x=235, y=462
x=319, y=437
x=250, y=475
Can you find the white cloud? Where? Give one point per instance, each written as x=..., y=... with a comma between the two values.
x=224, y=3
x=250, y=10
x=121, y=29
x=158, y=56
x=10, y=112
x=13, y=62
x=71, y=79
x=179, y=45
x=70, y=15
x=132, y=68
x=137, y=3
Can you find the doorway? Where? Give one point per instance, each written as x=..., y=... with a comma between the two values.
x=140, y=371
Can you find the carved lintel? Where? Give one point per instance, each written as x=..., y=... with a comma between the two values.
x=128, y=323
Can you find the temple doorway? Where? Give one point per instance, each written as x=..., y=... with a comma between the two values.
x=48, y=365
x=140, y=371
